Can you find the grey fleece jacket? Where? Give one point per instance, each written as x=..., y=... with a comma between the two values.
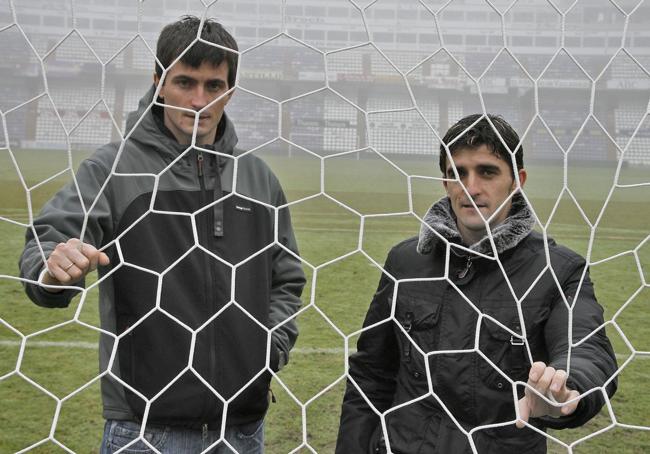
x=203, y=279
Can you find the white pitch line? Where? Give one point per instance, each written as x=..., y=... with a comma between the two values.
x=406, y=230
x=93, y=346
x=53, y=344
x=299, y=350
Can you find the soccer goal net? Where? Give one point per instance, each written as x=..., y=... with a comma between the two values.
x=347, y=102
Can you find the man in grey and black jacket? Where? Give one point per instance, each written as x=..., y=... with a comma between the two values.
x=482, y=332
x=199, y=278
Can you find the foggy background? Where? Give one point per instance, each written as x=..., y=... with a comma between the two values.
x=398, y=71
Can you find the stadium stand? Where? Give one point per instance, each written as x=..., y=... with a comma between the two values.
x=326, y=124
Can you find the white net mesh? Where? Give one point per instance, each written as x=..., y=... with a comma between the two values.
x=347, y=102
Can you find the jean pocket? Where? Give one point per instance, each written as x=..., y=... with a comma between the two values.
x=124, y=432
x=250, y=430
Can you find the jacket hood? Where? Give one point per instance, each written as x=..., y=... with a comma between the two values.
x=508, y=234
x=150, y=133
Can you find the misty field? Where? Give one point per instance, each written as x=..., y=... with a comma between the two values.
x=369, y=206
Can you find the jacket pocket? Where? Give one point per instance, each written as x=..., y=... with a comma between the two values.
x=152, y=355
x=505, y=348
x=418, y=318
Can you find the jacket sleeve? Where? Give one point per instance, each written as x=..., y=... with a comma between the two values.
x=288, y=280
x=374, y=368
x=62, y=218
x=591, y=363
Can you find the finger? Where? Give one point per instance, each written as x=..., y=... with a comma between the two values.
x=56, y=273
x=76, y=257
x=58, y=261
x=96, y=257
x=524, y=412
x=570, y=407
x=75, y=272
x=68, y=252
x=75, y=243
x=93, y=262
x=558, y=385
x=66, y=263
x=536, y=371
x=91, y=254
x=545, y=381
x=88, y=251
x=61, y=269
x=535, y=374
x=103, y=259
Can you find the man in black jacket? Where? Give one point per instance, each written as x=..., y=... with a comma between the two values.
x=482, y=332
x=199, y=276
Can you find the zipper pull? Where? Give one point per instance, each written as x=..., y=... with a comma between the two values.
x=468, y=265
x=199, y=162
x=408, y=325
x=408, y=322
x=204, y=429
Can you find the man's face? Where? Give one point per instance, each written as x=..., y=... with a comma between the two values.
x=194, y=88
x=489, y=181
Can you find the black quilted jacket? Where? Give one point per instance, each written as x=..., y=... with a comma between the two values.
x=456, y=344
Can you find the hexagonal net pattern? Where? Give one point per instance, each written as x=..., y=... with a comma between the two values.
x=348, y=103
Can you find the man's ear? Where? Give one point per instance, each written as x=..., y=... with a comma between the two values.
x=156, y=81
x=445, y=183
x=522, y=178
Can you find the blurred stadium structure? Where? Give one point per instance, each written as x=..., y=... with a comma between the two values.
x=93, y=50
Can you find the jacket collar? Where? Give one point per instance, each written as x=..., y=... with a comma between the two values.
x=441, y=219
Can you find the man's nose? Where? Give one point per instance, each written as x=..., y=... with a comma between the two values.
x=199, y=98
x=472, y=184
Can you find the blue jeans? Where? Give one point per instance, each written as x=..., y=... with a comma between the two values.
x=245, y=439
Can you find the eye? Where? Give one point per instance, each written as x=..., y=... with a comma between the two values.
x=215, y=86
x=488, y=172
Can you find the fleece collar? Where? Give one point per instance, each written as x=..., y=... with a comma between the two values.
x=508, y=234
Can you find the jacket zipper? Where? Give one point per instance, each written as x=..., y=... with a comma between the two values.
x=408, y=325
x=199, y=164
x=462, y=273
x=209, y=297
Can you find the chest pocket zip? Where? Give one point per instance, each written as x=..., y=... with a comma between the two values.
x=218, y=208
x=419, y=322
x=217, y=191
x=407, y=325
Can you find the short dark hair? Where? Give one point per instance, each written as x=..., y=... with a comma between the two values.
x=483, y=133
x=176, y=37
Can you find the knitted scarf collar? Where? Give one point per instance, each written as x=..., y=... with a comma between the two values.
x=508, y=234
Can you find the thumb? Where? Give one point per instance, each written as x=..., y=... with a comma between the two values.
x=524, y=412
x=103, y=259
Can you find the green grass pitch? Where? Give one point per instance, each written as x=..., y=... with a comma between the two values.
x=343, y=288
